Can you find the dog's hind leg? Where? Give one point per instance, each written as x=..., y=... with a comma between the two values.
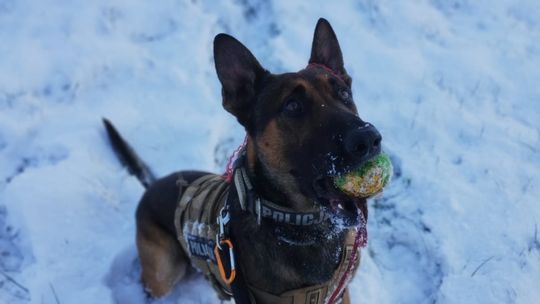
x=163, y=262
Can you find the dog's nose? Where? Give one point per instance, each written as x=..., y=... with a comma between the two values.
x=363, y=142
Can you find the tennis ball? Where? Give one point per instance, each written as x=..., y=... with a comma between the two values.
x=367, y=180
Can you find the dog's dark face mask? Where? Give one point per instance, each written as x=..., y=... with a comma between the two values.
x=303, y=128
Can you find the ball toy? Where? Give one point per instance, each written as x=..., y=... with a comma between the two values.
x=369, y=179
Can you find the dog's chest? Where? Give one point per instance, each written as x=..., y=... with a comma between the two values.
x=278, y=272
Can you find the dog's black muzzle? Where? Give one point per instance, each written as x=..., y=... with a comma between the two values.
x=362, y=143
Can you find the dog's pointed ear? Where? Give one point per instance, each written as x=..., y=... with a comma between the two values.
x=238, y=71
x=325, y=49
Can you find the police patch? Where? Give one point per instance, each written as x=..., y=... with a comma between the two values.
x=201, y=247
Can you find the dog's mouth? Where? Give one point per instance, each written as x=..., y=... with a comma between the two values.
x=347, y=210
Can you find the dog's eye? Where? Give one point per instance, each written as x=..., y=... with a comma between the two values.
x=293, y=107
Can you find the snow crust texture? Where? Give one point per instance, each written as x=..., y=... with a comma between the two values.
x=452, y=85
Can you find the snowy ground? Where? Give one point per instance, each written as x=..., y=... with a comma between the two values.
x=451, y=84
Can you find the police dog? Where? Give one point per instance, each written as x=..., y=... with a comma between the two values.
x=303, y=129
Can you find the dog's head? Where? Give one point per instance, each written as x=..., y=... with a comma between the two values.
x=303, y=128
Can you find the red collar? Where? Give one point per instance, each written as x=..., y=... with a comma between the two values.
x=326, y=68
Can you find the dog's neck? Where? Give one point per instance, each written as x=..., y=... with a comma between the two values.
x=267, y=186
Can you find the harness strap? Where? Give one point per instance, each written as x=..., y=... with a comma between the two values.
x=238, y=285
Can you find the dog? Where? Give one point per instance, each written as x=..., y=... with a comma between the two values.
x=276, y=229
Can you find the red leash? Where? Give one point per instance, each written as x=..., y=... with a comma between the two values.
x=360, y=240
x=228, y=175
x=326, y=68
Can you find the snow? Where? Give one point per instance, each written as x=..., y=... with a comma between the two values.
x=451, y=85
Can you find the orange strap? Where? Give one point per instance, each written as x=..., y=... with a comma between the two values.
x=232, y=276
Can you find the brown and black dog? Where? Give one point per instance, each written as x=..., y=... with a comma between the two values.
x=303, y=129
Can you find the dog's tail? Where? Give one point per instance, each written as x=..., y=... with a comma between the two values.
x=128, y=157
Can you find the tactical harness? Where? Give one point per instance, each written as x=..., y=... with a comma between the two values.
x=201, y=221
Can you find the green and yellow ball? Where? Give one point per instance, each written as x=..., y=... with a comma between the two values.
x=367, y=180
